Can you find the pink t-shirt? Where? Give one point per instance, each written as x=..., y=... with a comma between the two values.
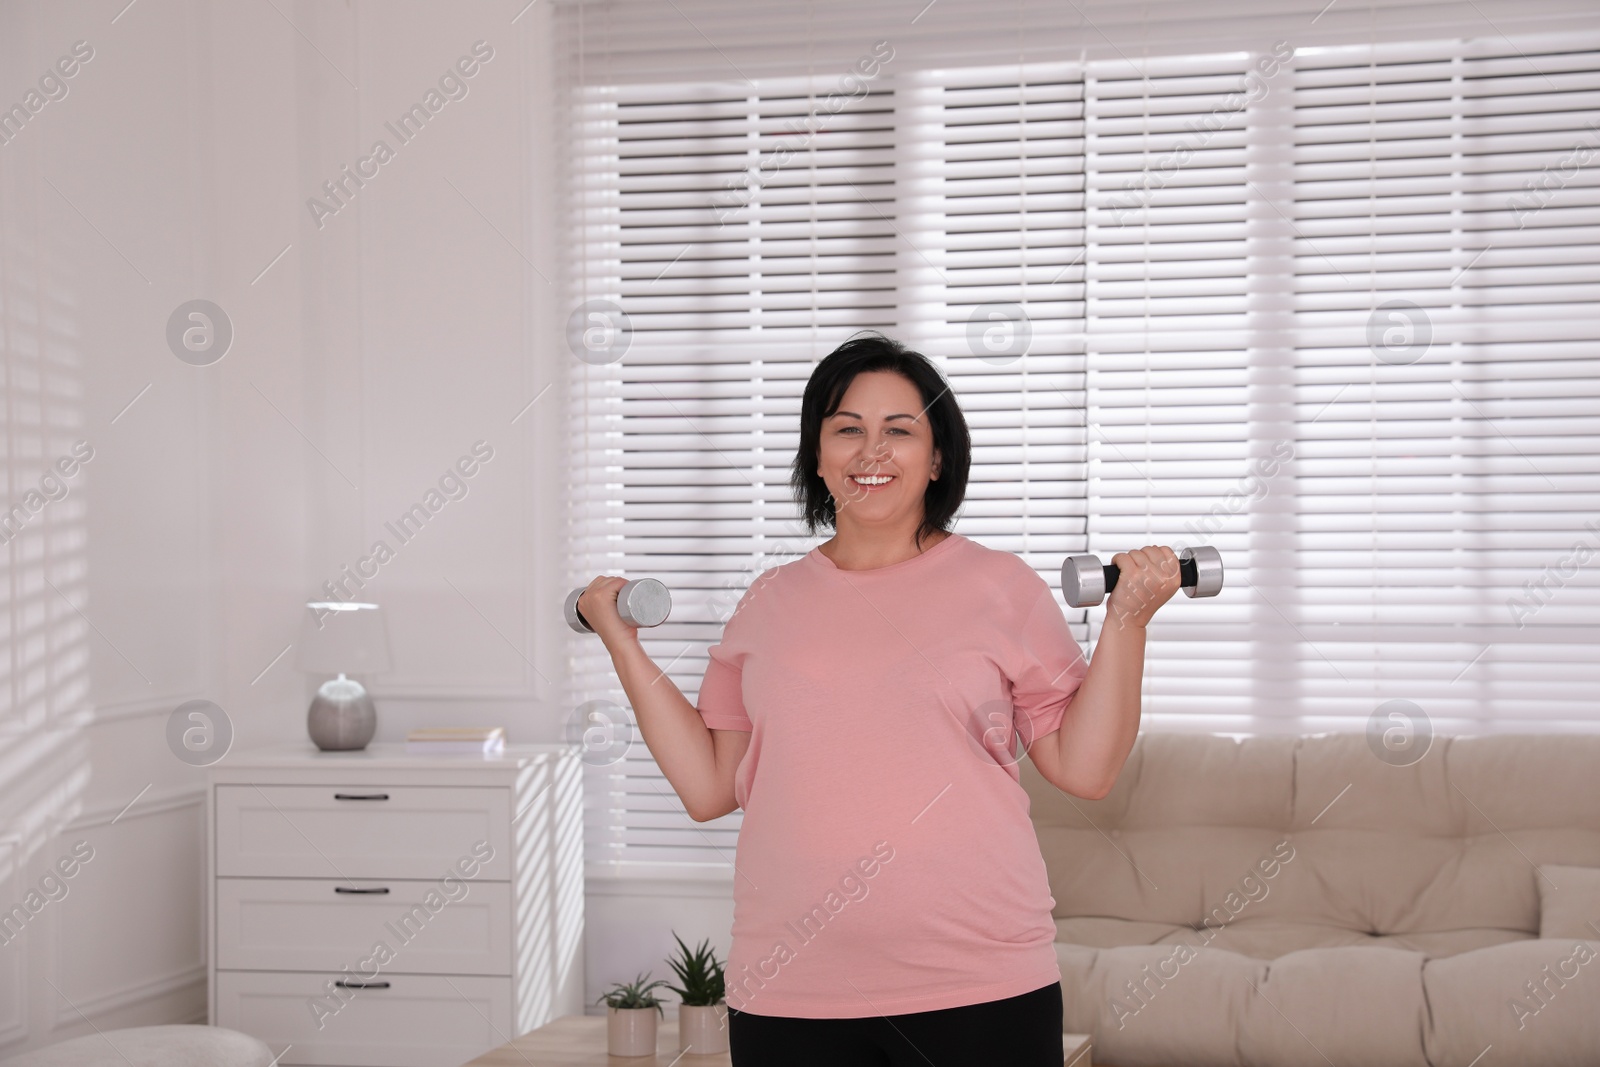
x=886, y=862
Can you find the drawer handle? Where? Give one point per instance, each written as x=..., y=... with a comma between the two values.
x=361, y=796
x=352, y=889
x=342, y=984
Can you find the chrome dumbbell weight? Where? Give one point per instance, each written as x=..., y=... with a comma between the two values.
x=641, y=602
x=1085, y=581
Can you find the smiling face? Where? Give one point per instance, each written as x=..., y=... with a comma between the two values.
x=876, y=453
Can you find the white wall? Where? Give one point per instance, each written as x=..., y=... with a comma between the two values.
x=365, y=361
x=110, y=200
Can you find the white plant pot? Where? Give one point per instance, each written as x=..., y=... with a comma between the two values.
x=703, y=1028
x=631, y=1031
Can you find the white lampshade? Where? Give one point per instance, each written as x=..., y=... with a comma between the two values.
x=338, y=637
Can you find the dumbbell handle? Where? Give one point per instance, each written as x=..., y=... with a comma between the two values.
x=1188, y=574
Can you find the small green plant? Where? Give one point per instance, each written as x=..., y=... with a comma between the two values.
x=634, y=994
x=699, y=971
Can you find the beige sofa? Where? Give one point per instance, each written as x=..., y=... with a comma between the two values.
x=1286, y=901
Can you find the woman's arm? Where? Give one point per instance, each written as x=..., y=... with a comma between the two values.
x=1086, y=754
x=699, y=762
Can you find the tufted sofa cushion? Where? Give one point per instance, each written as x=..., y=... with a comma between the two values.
x=1284, y=900
x=1569, y=901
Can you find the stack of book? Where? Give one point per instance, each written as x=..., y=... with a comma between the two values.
x=457, y=740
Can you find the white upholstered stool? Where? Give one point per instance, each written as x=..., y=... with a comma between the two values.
x=152, y=1046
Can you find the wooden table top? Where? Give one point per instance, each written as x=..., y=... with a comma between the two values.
x=580, y=1041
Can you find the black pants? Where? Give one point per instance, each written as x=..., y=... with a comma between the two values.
x=1019, y=1031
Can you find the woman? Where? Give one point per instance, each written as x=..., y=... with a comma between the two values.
x=891, y=904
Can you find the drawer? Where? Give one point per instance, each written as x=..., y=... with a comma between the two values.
x=303, y=831
x=418, y=1021
x=460, y=926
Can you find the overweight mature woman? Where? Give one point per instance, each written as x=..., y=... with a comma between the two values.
x=864, y=708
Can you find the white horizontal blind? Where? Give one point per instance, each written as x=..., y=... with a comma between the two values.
x=1447, y=273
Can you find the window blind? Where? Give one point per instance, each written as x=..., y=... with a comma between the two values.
x=1446, y=274
x=1223, y=265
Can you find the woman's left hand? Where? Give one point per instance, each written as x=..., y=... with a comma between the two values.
x=1147, y=577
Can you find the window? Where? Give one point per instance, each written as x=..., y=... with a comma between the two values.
x=1330, y=309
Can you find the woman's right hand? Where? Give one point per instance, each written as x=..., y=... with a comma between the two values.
x=598, y=606
x=700, y=763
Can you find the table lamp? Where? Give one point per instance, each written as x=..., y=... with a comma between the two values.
x=339, y=637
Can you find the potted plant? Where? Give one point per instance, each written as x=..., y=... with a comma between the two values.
x=631, y=1017
x=703, y=1015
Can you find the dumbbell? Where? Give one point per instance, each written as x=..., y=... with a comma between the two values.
x=641, y=602
x=1085, y=581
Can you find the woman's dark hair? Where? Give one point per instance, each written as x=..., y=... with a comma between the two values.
x=825, y=390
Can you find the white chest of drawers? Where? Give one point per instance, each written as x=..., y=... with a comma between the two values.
x=380, y=909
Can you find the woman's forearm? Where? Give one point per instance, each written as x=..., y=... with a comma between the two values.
x=672, y=729
x=1102, y=719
